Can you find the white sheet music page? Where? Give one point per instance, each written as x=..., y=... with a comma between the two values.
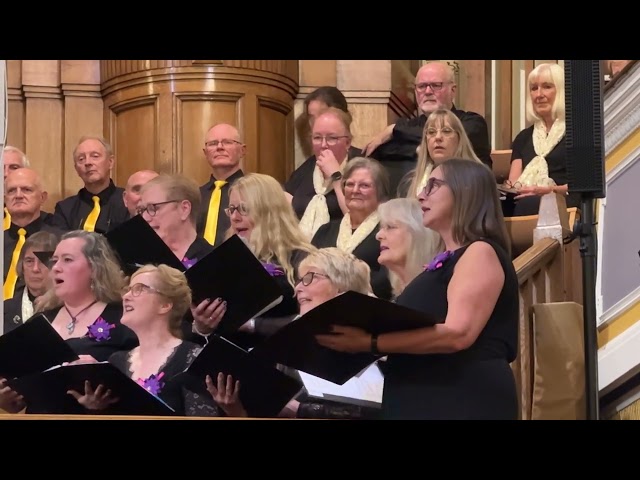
x=363, y=389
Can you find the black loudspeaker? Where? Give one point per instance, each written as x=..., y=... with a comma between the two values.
x=584, y=136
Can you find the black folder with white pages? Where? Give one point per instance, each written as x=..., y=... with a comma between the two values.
x=230, y=271
x=295, y=345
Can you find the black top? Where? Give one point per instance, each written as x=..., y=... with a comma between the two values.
x=105, y=336
x=173, y=391
x=473, y=383
x=368, y=251
x=300, y=186
x=223, y=221
x=13, y=317
x=72, y=212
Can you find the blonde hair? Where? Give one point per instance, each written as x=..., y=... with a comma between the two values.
x=276, y=234
x=423, y=243
x=344, y=117
x=553, y=73
x=425, y=164
x=172, y=284
x=107, y=278
x=345, y=271
x=178, y=187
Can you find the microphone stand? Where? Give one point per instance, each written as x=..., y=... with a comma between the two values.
x=587, y=233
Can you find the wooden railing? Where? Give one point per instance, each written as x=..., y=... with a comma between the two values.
x=547, y=273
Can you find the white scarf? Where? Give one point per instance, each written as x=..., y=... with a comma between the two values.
x=27, y=306
x=348, y=239
x=536, y=173
x=317, y=212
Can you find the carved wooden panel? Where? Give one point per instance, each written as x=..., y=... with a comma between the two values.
x=191, y=96
x=195, y=114
x=275, y=156
x=133, y=135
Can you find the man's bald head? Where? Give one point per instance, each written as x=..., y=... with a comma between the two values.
x=223, y=150
x=131, y=195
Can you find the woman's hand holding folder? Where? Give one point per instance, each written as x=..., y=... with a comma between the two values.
x=346, y=339
x=207, y=315
x=227, y=395
x=98, y=399
x=10, y=400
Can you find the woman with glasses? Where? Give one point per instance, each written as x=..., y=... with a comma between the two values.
x=443, y=138
x=34, y=275
x=459, y=368
x=171, y=204
x=364, y=186
x=538, y=156
x=84, y=304
x=154, y=302
x=261, y=215
x=314, y=104
x=313, y=187
x=324, y=274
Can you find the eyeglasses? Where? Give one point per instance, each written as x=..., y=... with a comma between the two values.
x=152, y=208
x=308, y=278
x=330, y=139
x=435, y=86
x=137, y=288
x=514, y=185
x=225, y=143
x=433, y=184
x=242, y=210
x=446, y=132
x=351, y=185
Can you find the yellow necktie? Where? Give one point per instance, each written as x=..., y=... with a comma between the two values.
x=212, y=215
x=7, y=219
x=92, y=219
x=12, y=275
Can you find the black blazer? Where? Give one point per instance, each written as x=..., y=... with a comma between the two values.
x=13, y=311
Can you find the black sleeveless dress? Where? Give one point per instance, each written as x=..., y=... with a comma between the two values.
x=473, y=384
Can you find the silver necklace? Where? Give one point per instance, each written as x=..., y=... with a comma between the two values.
x=74, y=319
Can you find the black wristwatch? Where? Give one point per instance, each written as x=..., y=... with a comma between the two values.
x=336, y=176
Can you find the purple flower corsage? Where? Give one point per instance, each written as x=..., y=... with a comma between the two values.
x=100, y=330
x=153, y=384
x=273, y=269
x=189, y=262
x=438, y=261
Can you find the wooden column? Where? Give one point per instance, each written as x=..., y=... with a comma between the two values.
x=156, y=112
x=502, y=123
x=378, y=92
x=16, y=105
x=44, y=123
x=83, y=112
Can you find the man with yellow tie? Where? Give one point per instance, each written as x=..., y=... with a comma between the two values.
x=12, y=158
x=223, y=150
x=98, y=206
x=24, y=196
